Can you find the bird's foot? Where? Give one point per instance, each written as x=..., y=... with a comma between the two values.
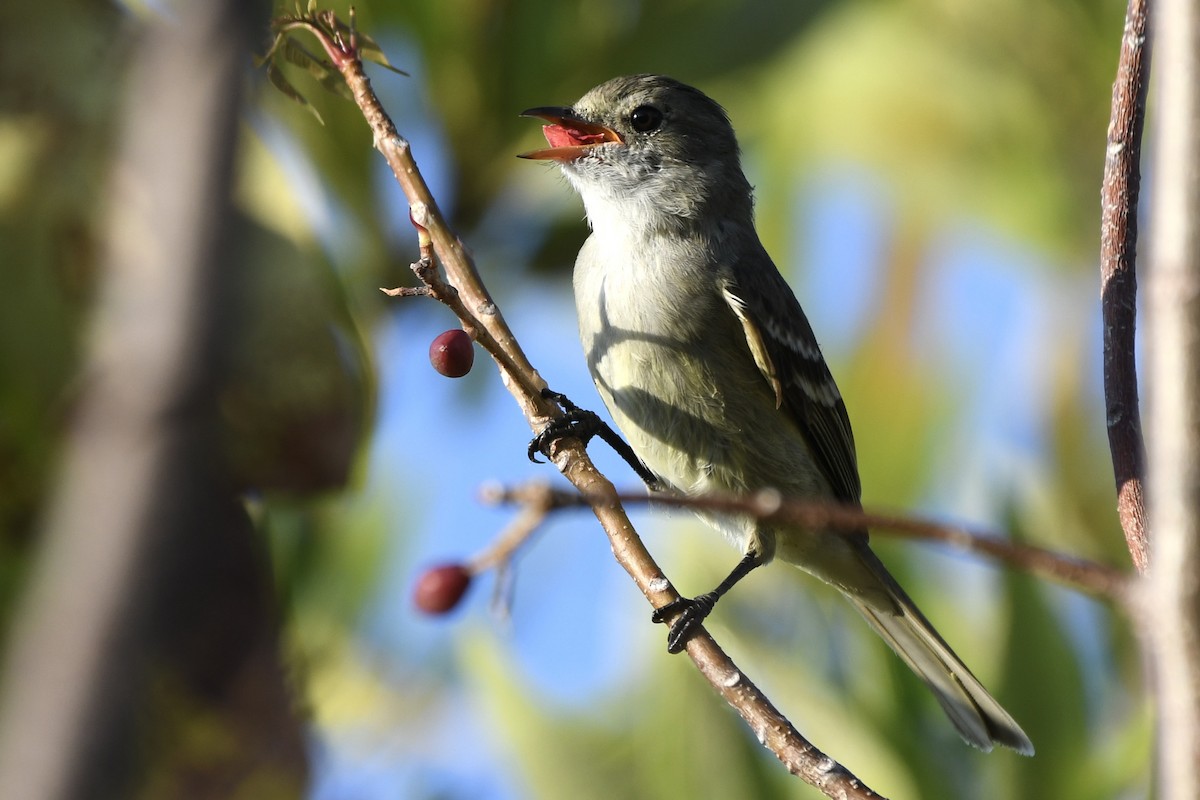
x=584, y=425
x=575, y=422
x=691, y=612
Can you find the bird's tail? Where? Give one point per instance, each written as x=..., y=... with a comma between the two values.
x=979, y=718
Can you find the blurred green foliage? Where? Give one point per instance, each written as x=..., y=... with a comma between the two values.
x=989, y=111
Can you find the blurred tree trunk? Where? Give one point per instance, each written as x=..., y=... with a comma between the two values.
x=145, y=659
x=1174, y=399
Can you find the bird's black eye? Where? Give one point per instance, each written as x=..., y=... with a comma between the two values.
x=645, y=119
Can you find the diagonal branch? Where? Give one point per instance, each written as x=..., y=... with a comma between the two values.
x=1118, y=277
x=482, y=319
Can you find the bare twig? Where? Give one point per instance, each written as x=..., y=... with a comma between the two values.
x=505, y=546
x=407, y=291
x=482, y=320
x=1077, y=573
x=1118, y=277
x=501, y=554
x=1173, y=374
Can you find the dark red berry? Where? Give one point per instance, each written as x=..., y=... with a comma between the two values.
x=439, y=589
x=452, y=353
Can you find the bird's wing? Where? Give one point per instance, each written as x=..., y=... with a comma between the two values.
x=786, y=352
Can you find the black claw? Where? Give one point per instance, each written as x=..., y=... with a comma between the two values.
x=584, y=425
x=575, y=422
x=674, y=607
x=692, y=612
x=563, y=401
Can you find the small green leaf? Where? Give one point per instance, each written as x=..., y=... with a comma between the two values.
x=297, y=54
x=324, y=72
x=259, y=61
x=370, y=50
x=281, y=83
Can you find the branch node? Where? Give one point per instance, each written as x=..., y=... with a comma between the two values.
x=659, y=585
x=493, y=493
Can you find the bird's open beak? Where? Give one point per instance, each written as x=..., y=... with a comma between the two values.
x=568, y=135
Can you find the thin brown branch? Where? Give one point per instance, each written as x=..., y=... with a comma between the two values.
x=407, y=291
x=505, y=546
x=483, y=321
x=1077, y=573
x=501, y=554
x=1118, y=277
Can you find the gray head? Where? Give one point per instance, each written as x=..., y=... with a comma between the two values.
x=659, y=149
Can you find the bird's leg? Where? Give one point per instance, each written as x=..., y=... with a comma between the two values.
x=693, y=610
x=584, y=425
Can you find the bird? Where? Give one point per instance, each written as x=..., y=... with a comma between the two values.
x=709, y=367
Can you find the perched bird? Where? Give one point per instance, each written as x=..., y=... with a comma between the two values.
x=709, y=367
